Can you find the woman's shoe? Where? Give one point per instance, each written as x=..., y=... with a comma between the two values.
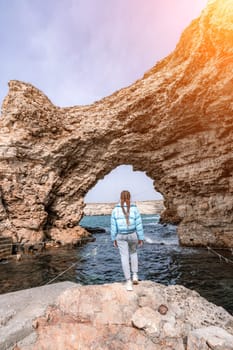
x=135, y=278
x=129, y=285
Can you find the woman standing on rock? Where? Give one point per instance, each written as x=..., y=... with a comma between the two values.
x=127, y=234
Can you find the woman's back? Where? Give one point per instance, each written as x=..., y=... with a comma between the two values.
x=120, y=218
x=120, y=224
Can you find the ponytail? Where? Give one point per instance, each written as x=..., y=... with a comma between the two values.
x=125, y=198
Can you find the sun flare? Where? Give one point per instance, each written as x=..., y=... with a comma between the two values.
x=223, y=13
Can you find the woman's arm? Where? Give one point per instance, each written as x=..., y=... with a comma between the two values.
x=139, y=227
x=113, y=226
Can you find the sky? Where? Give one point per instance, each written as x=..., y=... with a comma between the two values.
x=78, y=51
x=123, y=178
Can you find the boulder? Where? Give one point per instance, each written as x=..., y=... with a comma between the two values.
x=210, y=338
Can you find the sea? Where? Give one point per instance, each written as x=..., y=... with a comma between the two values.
x=161, y=259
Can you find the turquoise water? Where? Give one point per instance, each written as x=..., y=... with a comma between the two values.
x=161, y=259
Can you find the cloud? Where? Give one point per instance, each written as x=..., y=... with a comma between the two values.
x=80, y=51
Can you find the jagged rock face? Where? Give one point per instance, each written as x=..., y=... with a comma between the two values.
x=175, y=124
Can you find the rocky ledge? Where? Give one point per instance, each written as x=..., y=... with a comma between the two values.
x=102, y=317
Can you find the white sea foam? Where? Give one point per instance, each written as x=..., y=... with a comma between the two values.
x=161, y=241
x=150, y=217
x=151, y=224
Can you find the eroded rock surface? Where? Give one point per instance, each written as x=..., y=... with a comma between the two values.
x=175, y=124
x=104, y=317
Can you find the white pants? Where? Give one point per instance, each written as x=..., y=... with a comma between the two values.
x=127, y=245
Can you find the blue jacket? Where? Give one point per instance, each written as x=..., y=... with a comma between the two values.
x=119, y=225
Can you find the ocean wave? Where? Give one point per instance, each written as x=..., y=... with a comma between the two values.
x=161, y=242
x=151, y=224
x=2, y=262
x=150, y=217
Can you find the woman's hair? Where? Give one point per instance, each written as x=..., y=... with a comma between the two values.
x=125, y=198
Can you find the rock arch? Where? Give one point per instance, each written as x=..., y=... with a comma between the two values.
x=175, y=124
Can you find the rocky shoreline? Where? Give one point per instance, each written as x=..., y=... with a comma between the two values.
x=70, y=239
x=70, y=316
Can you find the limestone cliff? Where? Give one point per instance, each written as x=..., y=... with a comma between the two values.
x=145, y=207
x=175, y=124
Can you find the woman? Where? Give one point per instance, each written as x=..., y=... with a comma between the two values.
x=127, y=234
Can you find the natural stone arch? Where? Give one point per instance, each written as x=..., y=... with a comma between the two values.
x=175, y=124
